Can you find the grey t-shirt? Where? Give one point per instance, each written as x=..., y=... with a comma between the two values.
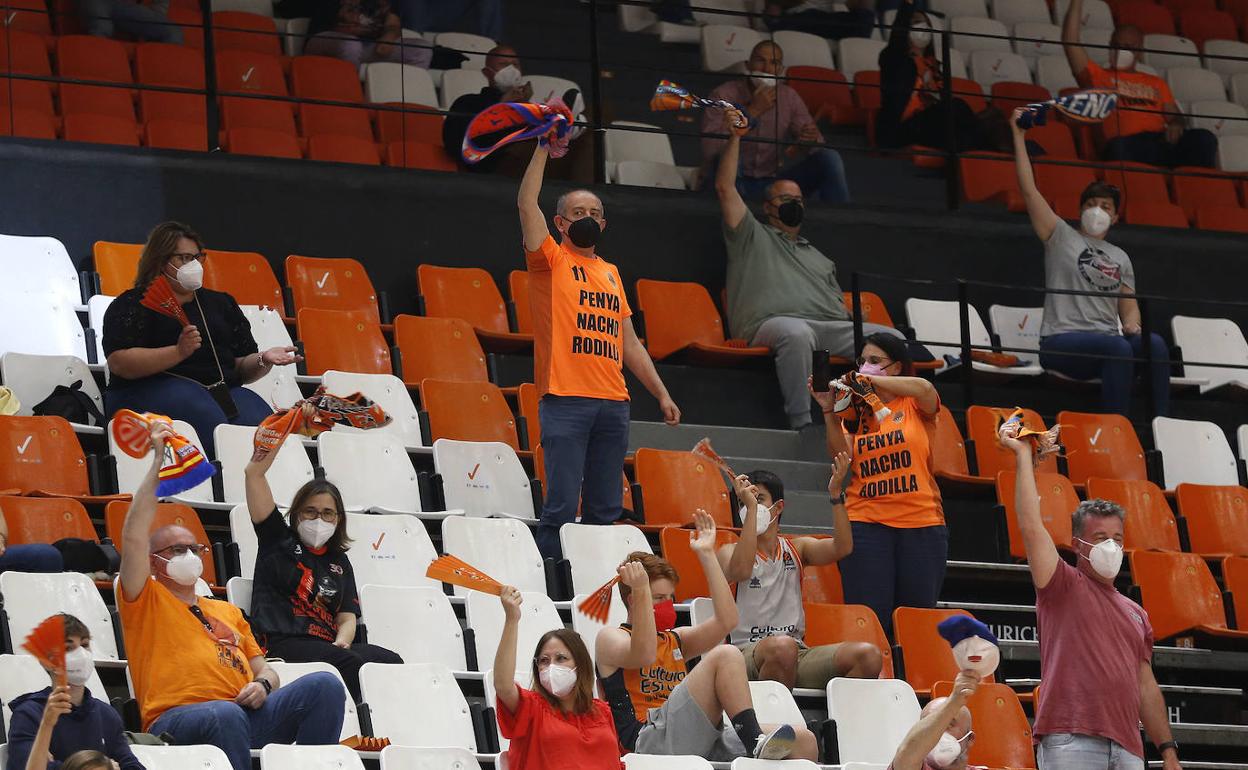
x=1074, y=261
x=770, y=274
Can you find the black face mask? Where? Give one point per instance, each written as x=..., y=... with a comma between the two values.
x=584, y=232
x=790, y=213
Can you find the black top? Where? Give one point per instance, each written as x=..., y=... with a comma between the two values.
x=897, y=74
x=298, y=591
x=91, y=725
x=461, y=113
x=127, y=324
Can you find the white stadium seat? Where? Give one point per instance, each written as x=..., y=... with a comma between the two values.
x=939, y=321
x=547, y=88
x=1096, y=14
x=485, y=617
x=96, y=307
x=863, y=766
x=651, y=143
x=199, y=757
x=258, y=7
x=1018, y=327
x=456, y=83
x=475, y=47
x=774, y=704
x=745, y=763
x=29, y=598
x=1194, y=452
x=430, y=757
x=386, y=82
x=1170, y=51
x=645, y=173
x=1011, y=12
x=483, y=478
x=131, y=471
x=951, y=9
x=1053, y=72
x=802, y=49
x=289, y=672
x=595, y=552
x=589, y=628
x=41, y=291
x=1190, y=84
x=1221, y=117
x=501, y=548
x=660, y=762
x=1233, y=153
x=277, y=387
x=388, y=392
x=34, y=377
x=636, y=18
x=1241, y=438
x=1239, y=88
x=371, y=470
x=989, y=67
x=1236, y=53
x=872, y=716
x=857, y=54
x=296, y=33
x=416, y=622
x=291, y=469
x=238, y=593
x=967, y=31
x=726, y=45
x=417, y=704
x=957, y=62
x=20, y=674
x=1035, y=40
x=1214, y=341
x=277, y=756
x=524, y=678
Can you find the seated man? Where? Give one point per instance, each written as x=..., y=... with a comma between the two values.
x=90, y=723
x=767, y=569
x=504, y=76
x=942, y=737
x=198, y=673
x=777, y=114
x=659, y=706
x=1147, y=126
x=32, y=557
x=145, y=21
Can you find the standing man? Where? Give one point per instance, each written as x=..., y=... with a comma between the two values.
x=582, y=334
x=1097, y=645
x=782, y=291
x=942, y=737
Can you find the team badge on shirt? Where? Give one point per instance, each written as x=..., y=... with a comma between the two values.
x=1099, y=270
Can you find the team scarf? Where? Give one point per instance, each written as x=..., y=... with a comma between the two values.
x=314, y=415
x=184, y=466
x=1043, y=442
x=1091, y=106
x=671, y=96
x=509, y=122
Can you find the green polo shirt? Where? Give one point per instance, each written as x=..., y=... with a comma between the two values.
x=771, y=274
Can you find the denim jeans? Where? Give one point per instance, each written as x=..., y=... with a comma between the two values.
x=308, y=711
x=146, y=22
x=35, y=557
x=584, y=441
x=1068, y=751
x=821, y=174
x=188, y=401
x=1196, y=147
x=1108, y=352
x=892, y=567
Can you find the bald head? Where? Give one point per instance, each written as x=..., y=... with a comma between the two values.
x=786, y=187
x=578, y=203
x=170, y=535
x=961, y=724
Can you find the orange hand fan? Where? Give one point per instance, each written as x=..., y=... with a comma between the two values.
x=365, y=743
x=703, y=449
x=457, y=572
x=47, y=643
x=160, y=297
x=597, y=605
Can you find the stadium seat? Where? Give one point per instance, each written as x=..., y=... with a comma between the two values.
x=475, y=47
x=1150, y=524
x=28, y=17
x=727, y=45
x=264, y=142
x=1167, y=52
x=872, y=305
x=191, y=22
x=504, y=549
x=416, y=622
x=427, y=757
x=456, y=83
x=247, y=115
x=388, y=392
x=1233, y=153
x=245, y=275
x=949, y=461
x=675, y=484
x=175, y=135
x=44, y=519
x=967, y=31
x=439, y=717
x=645, y=173
x=1002, y=733
x=1057, y=181
x=439, y=348
x=872, y=716
x=954, y=8
x=1101, y=446
x=326, y=119
x=277, y=387
x=1018, y=328
x=1008, y=94
x=939, y=321
x=100, y=129
x=331, y=284
x=1138, y=182
x=1056, y=139
x=483, y=479
x=595, y=552
x=1035, y=41
x=96, y=307
x=489, y=419
x=484, y=614
x=1053, y=72
x=589, y=628
x=674, y=542
x=349, y=341
x=826, y=94
x=1217, y=518
x=1058, y=500
x=21, y=674
x=22, y=51
x=1205, y=24
x=33, y=378
x=470, y=293
x=394, y=82
x=1231, y=219
x=250, y=72
x=986, y=176
x=855, y=54
x=1232, y=57
x=867, y=95
x=327, y=78
x=1193, y=452
x=164, y=64
x=621, y=143
x=802, y=49
x=1155, y=213
x=1235, y=578
x=24, y=122
x=277, y=756
x=41, y=294
x=167, y=514
x=41, y=455
x=1215, y=341
x=682, y=318
x=1010, y=12
x=835, y=623
x=430, y=157
x=991, y=458
x=410, y=122
x=822, y=583
x=259, y=7
x=1191, y=84
x=243, y=31
x=547, y=88
x=372, y=470
x=30, y=597
x=343, y=149
x=1150, y=18
x=199, y=756
x=660, y=762
x=1181, y=597
x=922, y=656
x=238, y=591
x=291, y=468
x=85, y=57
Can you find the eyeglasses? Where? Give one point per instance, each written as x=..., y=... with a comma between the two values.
x=181, y=550
x=328, y=515
x=876, y=360
x=787, y=198
x=184, y=257
x=559, y=660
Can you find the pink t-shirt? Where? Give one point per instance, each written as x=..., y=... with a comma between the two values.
x=1092, y=641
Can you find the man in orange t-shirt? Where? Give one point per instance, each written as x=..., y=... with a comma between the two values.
x=198, y=673
x=582, y=334
x=1147, y=126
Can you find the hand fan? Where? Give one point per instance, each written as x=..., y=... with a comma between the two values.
x=453, y=570
x=598, y=604
x=159, y=297
x=47, y=643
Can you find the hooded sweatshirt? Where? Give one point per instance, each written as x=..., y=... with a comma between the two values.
x=92, y=725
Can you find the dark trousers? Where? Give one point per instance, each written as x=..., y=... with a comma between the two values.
x=187, y=401
x=1106, y=360
x=892, y=567
x=834, y=26
x=930, y=128
x=35, y=557
x=307, y=649
x=1196, y=147
x=584, y=441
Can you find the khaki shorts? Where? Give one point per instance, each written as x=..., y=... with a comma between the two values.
x=815, y=665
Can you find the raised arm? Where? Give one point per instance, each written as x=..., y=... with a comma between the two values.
x=616, y=647
x=835, y=432
x=1075, y=53
x=737, y=559
x=696, y=640
x=1041, y=553
x=1155, y=717
x=730, y=201
x=505, y=656
x=532, y=221
x=638, y=361
x=136, y=568
x=925, y=734
x=58, y=705
x=826, y=550
x=260, y=503
x=1043, y=220
x=921, y=390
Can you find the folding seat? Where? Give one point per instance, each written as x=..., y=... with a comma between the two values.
x=264, y=142
x=250, y=72
x=835, y=623
x=1217, y=518
x=419, y=123
x=96, y=307
x=855, y=54
x=802, y=49
x=291, y=468
x=1149, y=17
x=822, y=583
x=41, y=294
x=594, y=552
x=175, y=135
x=456, y=83
x=289, y=672
x=485, y=617
x=1226, y=218
x=991, y=458
x=1008, y=94
x=1233, y=153
x=388, y=392
x=42, y=455
x=867, y=90
x=324, y=283
x=191, y=22
x=484, y=478
x=21, y=674
x=972, y=34
x=1235, y=577
x=373, y=472
x=949, y=452
x=439, y=348
x=45, y=519
x=645, y=173
x=277, y=387
x=988, y=68
x=34, y=377
x=518, y=288
x=1002, y=732
x=323, y=77
x=428, y=757
x=987, y=176
x=319, y=119
x=1226, y=57
x=955, y=8
x=675, y=484
x=130, y=471
x=26, y=123
x=430, y=157
x=416, y=622
x=1011, y=12
x=244, y=275
x=199, y=756
x=527, y=408
x=871, y=716
x=1181, y=598
x=450, y=416
x=826, y=94
x=504, y=549
x=1053, y=72
x=921, y=660
x=276, y=756
x=394, y=82
x=84, y=57
x=101, y=129
x=939, y=320
x=1156, y=213
x=1058, y=500
x=1193, y=452
x=167, y=514
x=475, y=47
x=349, y=341
x=31, y=597
x=872, y=306
x=1212, y=340
x=240, y=114
x=1221, y=117
x=1056, y=139
x=470, y=293
x=164, y=64
x=343, y=149
x=1167, y=52
x=1057, y=181
x=674, y=542
x=682, y=318
x=660, y=762
x=25, y=53
x=1191, y=84
x=1150, y=524
x=1018, y=327
x=238, y=592
x=1138, y=182
x=1035, y=41
x=29, y=17
x=724, y=46
x=242, y=31
x=1101, y=446
x=1096, y=42
x=1204, y=24
x=116, y=264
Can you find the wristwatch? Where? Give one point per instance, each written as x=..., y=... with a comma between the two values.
x=266, y=684
x=839, y=499
x=1161, y=747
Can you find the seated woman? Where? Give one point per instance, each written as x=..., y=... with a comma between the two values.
x=194, y=373
x=559, y=724
x=304, y=602
x=362, y=31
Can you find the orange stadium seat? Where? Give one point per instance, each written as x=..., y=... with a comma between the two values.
x=241, y=31
x=867, y=89
x=27, y=17
x=835, y=623
x=1235, y=578
x=24, y=53
x=85, y=57
x=527, y=401
x=1101, y=445
x=416, y=123
x=1150, y=18
x=674, y=542
x=682, y=318
x=518, y=288
x=323, y=77
x=250, y=72
x=1231, y=219
x=318, y=119
x=440, y=349
x=822, y=584
x=1217, y=518
x=1180, y=596
x=262, y=141
x=469, y=293
x=874, y=311
x=1155, y=213
x=990, y=456
x=175, y=135
x=826, y=94
x=675, y=484
x=167, y=514
x=1150, y=523
x=468, y=411
x=162, y=64
x=1056, y=181
x=987, y=176
x=191, y=21
x=1008, y=94
x=970, y=92
x=246, y=276
x=921, y=654
x=242, y=113
x=41, y=455
x=342, y=340
x=1201, y=24
x=101, y=129
x=1058, y=500
x=117, y=264
x=45, y=519
x=1137, y=184
x=1056, y=139
x=31, y=124
x=326, y=283
x=1002, y=732
x=27, y=95
x=430, y=157
x=1192, y=192
x=949, y=452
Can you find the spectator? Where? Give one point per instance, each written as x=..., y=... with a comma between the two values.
x=1103, y=332
x=84, y=722
x=942, y=737
x=584, y=407
x=149, y=21
x=197, y=670
x=481, y=17
x=362, y=31
x=776, y=114
x=820, y=17
x=1147, y=126
x=304, y=602
x=504, y=75
x=782, y=291
x=911, y=108
x=157, y=365
x=767, y=569
x=1097, y=644
x=559, y=724
x=895, y=513
x=660, y=707
x=32, y=557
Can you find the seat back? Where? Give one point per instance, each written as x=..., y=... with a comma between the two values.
x=872, y=716
x=394, y=82
x=457, y=83
x=167, y=515
x=1053, y=72
x=199, y=756
x=650, y=142
x=277, y=386
x=415, y=622
x=415, y=123
x=1192, y=84
x=504, y=549
x=1058, y=500
x=439, y=348
x=117, y=264
x=388, y=392
x=1149, y=523
x=660, y=762
x=674, y=542
x=989, y=68
x=245, y=275
x=131, y=471
x=1169, y=51
x=21, y=674
x=485, y=617
x=392, y=550
x=34, y=377
x=324, y=77
x=1178, y=592
x=238, y=592
x=1018, y=327
x=674, y=484
x=439, y=717
x=475, y=47
x=948, y=446
x=802, y=49
x=725, y=46
x=427, y=758
x=468, y=411
x=836, y=623
x=518, y=288
x=677, y=315
x=462, y=292
x=349, y=341
x=41, y=454
x=527, y=407
x=857, y=53
x=589, y=628
x=41, y=290
x=1211, y=340
x=1217, y=518
x=31, y=597
x=822, y=583
x=1193, y=452
x=1193, y=192
x=44, y=520
x=483, y=478
x=981, y=427
x=289, y=672
x=370, y=470
x=276, y=756
x=925, y=655
x=331, y=284
x=938, y=321
x=1002, y=733
x=291, y=468
x=645, y=173
x=1235, y=578
x=1101, y=445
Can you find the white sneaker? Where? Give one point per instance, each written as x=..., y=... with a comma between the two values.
x=778, y=744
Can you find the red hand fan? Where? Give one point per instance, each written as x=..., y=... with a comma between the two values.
x=47, y=643
x=160, y=297
x=450, y=569
x=598, y=604
x=703, y=449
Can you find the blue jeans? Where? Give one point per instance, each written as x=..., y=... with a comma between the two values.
x=187, y=401
x=1068, y=751
x=484, y=17
x=584, y=441
x=308, y=711
x=1109, y=364
x=892, y=567
x=35, y=557
x=146, y=22
x=1196, y=147
x=820, y=174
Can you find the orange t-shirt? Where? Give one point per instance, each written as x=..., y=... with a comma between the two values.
x=892, y=480
x=926, y=85
x=650, y=687
x=1143, y=95
x=579, y=309
x=174, y=660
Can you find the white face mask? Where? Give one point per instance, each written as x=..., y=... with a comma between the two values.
x=763, y=520
x=79, y=664
x=558, y=680
x=976, y=654
x=947, y=751
x=1105, y=558
x=190, y=276
x=763, y=79
x=921, y=35
x=1095, y=221
x=507, y=78
x=185, y=569
x=1124, y=60
x=315, y=533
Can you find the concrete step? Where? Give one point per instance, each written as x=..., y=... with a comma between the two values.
x=797, y=475
x=728, y=441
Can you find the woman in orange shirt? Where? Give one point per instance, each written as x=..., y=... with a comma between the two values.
x=559, y=724
x=898, y=524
